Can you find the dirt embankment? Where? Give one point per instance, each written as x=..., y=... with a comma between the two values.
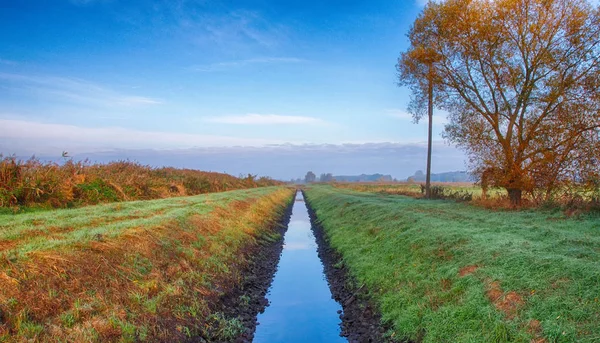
x=361, y=322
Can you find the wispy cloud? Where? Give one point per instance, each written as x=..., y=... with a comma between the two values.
x=228, y=65
x=72, y=90
x=439, y=117
x=239, y=27
x=263, y=119
x=138, y=100
x=211, y=27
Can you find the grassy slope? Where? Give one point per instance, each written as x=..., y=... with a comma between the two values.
x=447, y=272
x=130, y=271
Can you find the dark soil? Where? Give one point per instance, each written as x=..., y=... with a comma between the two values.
x=248, y=299
x=360, y=320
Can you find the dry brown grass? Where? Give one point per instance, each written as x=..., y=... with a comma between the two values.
x=155, y=283
x=507, y=302
x=467, y=270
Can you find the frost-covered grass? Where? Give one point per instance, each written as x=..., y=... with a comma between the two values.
x=443, y=271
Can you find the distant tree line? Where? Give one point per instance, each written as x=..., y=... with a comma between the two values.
x=311, y=177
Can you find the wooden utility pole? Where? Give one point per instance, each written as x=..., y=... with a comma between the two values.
x=429, y=135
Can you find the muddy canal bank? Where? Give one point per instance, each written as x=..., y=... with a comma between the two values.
x=360, y=320
x=241, y=305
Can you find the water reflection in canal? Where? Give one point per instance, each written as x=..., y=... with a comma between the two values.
x=301, y=308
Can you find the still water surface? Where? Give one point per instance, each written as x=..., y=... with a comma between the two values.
x=301, y=308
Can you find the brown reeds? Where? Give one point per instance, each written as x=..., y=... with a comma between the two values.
x=30, y=183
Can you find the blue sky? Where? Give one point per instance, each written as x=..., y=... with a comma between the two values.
x=87, y=76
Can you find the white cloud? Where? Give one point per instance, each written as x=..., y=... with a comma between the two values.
x=238, y=28
x=72, y=90
x=221, y=66
x=138, y=100
x=263, y=119
x=19, y=136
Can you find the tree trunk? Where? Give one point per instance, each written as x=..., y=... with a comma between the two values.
x=514, y=195
x=429, y=135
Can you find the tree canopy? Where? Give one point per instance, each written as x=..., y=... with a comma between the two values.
x=520, y=80
x=310, y=177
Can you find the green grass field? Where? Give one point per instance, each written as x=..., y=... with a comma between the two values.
x=577, y=198
x=131, y=271
x=442, y=271
x=59, y=229
x=414, y=189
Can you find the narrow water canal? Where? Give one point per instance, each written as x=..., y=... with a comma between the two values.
x=301, y=307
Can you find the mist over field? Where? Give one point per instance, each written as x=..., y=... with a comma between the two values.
x=293, y=161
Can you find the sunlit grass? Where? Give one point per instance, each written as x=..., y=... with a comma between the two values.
x=572, y=196
x=53, y=229
x=443, y=271
x=131, y=271
x=414, y=189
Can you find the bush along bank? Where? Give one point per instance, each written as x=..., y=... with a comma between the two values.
x=35, y=185
x=441, y=271
x=158, y=270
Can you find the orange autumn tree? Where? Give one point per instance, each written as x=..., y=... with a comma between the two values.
x=520, y=80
